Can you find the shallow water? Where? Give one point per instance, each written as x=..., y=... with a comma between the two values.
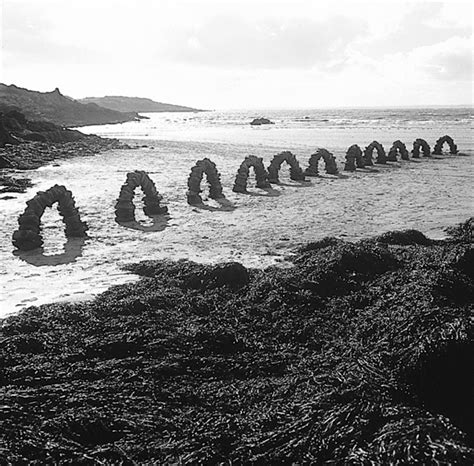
x=264, y=227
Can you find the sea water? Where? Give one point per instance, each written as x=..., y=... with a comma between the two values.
x=258, y=229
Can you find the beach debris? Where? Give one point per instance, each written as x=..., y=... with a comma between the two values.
x=354, y=158
x=125, y=208
x=296, y=173
x=424, y=147
x=208, y=167
x=261, y=174
x=438, y=148
x=28, y=236
x=329, y=163
x=398, y=147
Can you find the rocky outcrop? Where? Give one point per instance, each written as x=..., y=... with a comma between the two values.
x=354, y=158
x=21, y=129
x=329, y=163
x=398, y=148
x=5, y=135
x=28, y=235
x=208, y=167
x=261, y=121
x=423, y=145
x=438, y=148
x=368, y=152
x=296, y=173
x=261, y=175
x=125, y=208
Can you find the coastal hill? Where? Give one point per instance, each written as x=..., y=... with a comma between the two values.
x=56, y=108
x=136, y=104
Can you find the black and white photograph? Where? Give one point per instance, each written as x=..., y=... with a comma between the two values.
x=236, y=232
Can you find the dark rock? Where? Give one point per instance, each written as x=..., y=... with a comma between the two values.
x=261, y=121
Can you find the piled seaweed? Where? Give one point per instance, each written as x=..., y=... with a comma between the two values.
x=360, y=353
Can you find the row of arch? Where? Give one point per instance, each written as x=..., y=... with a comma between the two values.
x=28, y=236
x=356, y=158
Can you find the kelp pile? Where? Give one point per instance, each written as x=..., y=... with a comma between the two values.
x=361, y=353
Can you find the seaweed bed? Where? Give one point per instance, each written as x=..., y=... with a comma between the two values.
x=360, y=353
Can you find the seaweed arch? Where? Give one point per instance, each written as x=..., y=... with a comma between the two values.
x=329, y=163
x=438, y=148
x=398, y=147
x=125, y=208
x=28, y=236
x=261, y=174
x=354, y=158
x=208, y=167
x=420, y=143
x=296, y=173
x=368, y=151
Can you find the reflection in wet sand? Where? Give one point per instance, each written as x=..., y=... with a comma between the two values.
x=72, y=251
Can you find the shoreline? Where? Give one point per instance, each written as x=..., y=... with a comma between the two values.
x=354, y=353
x=32, y=155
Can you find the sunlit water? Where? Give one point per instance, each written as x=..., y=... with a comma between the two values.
x=263, y=229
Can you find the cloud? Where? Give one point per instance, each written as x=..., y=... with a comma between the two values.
x=448, y=60
x=422, y=25
x=236, y=42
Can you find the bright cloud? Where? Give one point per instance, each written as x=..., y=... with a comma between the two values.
x=243, y=53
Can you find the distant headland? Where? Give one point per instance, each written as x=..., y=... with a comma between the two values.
x=136, y=104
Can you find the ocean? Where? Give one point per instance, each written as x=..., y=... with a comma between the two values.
x=262, y=228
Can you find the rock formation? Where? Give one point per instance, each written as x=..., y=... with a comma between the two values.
x=424, y=147
x=261, y=175
x=354, y=158
x=261, y=121
x=125, y=208
x=296, y=173
x=21, y=129
x=438, y=148
x=329, y=162
x=194, y=181
x=398, y=147
x=5, y=136
x=368, y=152
x=28, y=235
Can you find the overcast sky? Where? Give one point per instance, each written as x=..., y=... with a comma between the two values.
x=243, y=54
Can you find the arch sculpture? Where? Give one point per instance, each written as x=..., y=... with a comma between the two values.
x=438, y=148
x=354, y=158
x=296, y=174
x=261, y=175
x=28, y=236
x=125, y=208
x=194, y=181
x=420, y=143
x=368, y=151
x=329, y=162
x=398, y=147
